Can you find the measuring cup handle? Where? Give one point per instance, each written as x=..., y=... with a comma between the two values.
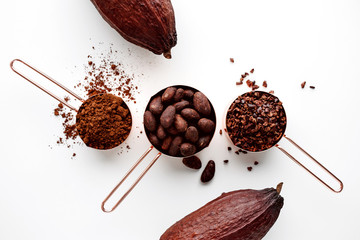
x=314, y=160
x=48, y=78
x=125, y=177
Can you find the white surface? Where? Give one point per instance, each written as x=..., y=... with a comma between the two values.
x=47, y=195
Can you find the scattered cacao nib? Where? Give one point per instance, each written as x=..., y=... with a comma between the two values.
x=74, y=154
x=264, y=84
x=220, y=132
x=249, y=83
x=237, y=152
x=238, y=83
x=226, y=161
x=254, y=87
x=229, y=148
x=208, y=172
x=192, y=162
x=256, y=163
x=249, y=169
x=303, y=84
x=252, y=70
x=256, y=121
x=312, y=87
x=247, y=74
x=271, y=92
x=232, y=60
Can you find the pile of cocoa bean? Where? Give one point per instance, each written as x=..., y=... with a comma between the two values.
x=256, y=121
x=179, y=121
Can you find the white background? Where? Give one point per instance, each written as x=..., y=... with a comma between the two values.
x=45, y=194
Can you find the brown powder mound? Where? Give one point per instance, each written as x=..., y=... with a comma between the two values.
x=103, y=121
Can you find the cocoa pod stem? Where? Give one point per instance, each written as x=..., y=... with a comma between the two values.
x=279, y=187
x=167, y=54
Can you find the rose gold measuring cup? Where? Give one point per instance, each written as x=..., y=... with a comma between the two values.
x=59, y=85
x=275, y=144
x=212, y=116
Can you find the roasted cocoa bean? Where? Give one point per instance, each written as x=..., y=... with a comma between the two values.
x=192, y=162
x=168, y=95
x=160, y=132
x=192, y=134
x=201, y=103
x=206, y=125
x=187, y=149
x=154, y=140
x=149, y=121
x=204, y=141
x=172, y=130
x=166, y=143
x=168, y=116
x=188, y=94
x=181, y=105
x=175, y=146
x=190, y=114
x=156, y=106
x=179, y=94
x=208, y=172
x=180, y=124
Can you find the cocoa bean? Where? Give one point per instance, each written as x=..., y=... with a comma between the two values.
x=160, y=132
x=181, y=105
x=203, y=141
x=208, y=172
x=175, y=146
x=168, y=94
x=192, y=134
x=179, y=94
x=188, y=94
x=180, y=123
x=168, y=116
x=166, y=143
x=192, y=162
x=154, y=140
x=201, y=103
x=149, y=121
x=206, y=125
x=190, y=114
x=187, y=149
x=172, y=130
x=156, y=106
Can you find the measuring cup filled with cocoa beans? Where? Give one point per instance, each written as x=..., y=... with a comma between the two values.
x=103, y=121
x=179, y=122
x=256, y=121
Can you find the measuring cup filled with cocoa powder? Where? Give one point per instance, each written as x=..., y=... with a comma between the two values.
x=103, y=121
x=256, y=121
x=179, y=122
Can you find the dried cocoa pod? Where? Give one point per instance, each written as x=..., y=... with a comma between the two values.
x=192, y=162
x=147, y=23
x=175, y=146
x=209, y=172
x=201, y=103
x=242, y=215
x=187, y=149
x=168, y=94
x=206, y=125
x=180, y=124
x=161, y=132
x=179, y=94
x=190, y=114
x=181, y=105
x=149, y=121
x=156, y=106
x=168, y=116
x=192, y=134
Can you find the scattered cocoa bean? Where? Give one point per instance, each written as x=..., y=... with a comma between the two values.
x=206, y=125
x=149, y=121
x=208, y=172
x=187, y=149
x=201, y=103
x=168, y=116
x=192, y=162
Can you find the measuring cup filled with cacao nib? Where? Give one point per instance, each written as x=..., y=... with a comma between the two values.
x=103, y=121
x=256, y=121
x=179, y=122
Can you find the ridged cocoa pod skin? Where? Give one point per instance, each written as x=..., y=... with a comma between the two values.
x=147, y=23
x=238, y=215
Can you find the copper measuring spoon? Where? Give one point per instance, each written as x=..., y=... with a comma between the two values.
x=62, y=87
x=275, y=144
x=212, y=116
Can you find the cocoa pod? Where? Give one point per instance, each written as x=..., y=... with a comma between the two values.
x=209, y=172
x=156, y=106
x=160, y=132
x=175, y=146
x=166, y=143
x=179, y=94
x=206, y=125
x=204, y=141
x=168, y=94
x=192, y=162
x=242, y=215
x=201, y=103
x=181, y=105
x=190, y=114
x=192, y=134
x=147, y=23
x=187, y=149
x=168, y=116
x=149, y=121
x=180, y=124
